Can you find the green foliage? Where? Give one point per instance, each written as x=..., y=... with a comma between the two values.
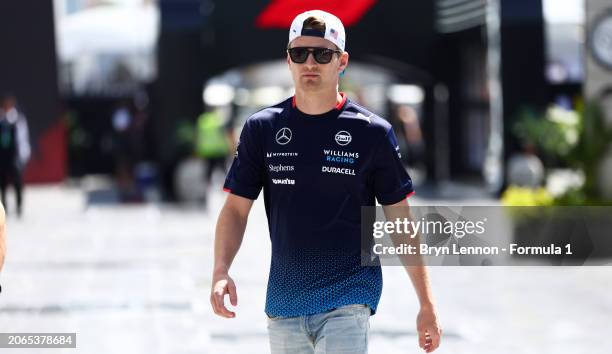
x=556, y=134
x=593, y=140
x=579, y=139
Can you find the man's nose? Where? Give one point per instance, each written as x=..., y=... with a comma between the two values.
x=310, y=61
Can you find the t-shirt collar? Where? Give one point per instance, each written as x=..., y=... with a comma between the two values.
x=337, y=107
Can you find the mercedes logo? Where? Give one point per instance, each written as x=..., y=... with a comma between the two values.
x=343, y=138
x=283, y=136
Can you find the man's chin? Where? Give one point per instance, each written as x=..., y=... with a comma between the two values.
x=311, y=83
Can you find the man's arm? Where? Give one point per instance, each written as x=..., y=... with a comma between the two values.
x=427, y=323
x=2, y=238
x=228, y=237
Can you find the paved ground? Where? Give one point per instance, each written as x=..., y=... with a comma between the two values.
x=135, y=279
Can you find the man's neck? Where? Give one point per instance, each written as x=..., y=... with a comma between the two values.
x=317, y=102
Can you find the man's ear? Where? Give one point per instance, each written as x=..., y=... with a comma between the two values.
x=344, y=58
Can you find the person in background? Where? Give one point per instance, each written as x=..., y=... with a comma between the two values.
x=14, y=149
x=213, y=142
x=410, y=130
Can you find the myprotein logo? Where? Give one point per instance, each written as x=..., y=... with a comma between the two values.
x=283, y=181
x=281, y=168
x=281, y=154
x=343, y=138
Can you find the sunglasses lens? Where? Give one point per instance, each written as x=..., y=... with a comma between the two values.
x=323, y=55
x=298, y=54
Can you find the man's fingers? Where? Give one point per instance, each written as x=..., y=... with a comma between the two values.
x=435, y=338
x=422, y=339
x=432, y=340
x=218, y=303
x=233, y=294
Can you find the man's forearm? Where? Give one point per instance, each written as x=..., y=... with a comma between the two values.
x=413, y=263
x=416, y=270
x=420, y=281
x=228, y=237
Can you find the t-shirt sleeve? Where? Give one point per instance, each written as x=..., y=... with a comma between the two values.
x=392, y=183
x=245, y=176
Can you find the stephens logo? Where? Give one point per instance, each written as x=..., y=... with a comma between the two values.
x=280, y=168
x=343, y=138
x=283, y=136
x=283, y=181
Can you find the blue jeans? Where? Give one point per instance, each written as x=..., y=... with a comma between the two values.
x=341, y=330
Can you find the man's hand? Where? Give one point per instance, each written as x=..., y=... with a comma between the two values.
x=428, y=328
x=223, y=284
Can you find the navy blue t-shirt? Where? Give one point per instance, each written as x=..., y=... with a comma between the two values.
x=316, y=172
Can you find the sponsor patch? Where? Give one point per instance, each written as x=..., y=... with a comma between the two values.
x=283, y=181
x=281, y=168
x=283, y=136
x=345, y=157
x=281, y=154
x=343, y=138
x=338, y=170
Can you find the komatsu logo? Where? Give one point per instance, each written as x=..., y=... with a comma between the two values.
x=283, y=181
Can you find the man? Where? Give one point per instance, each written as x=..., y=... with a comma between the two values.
x=14, y=148
x=319, y=157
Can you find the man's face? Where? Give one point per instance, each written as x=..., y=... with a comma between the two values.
x=8, y=103
x=312, y=76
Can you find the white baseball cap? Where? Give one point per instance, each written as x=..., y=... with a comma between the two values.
x=334, y=30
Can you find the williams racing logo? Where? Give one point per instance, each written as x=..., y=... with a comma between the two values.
x=342, y=157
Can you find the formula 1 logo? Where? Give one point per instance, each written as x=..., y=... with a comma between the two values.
x=283, y=136
x=343, y=138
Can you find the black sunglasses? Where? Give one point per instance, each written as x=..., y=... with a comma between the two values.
x=321, y=55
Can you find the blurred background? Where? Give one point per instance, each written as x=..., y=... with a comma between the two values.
x=119, y=119
x=488, y=94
